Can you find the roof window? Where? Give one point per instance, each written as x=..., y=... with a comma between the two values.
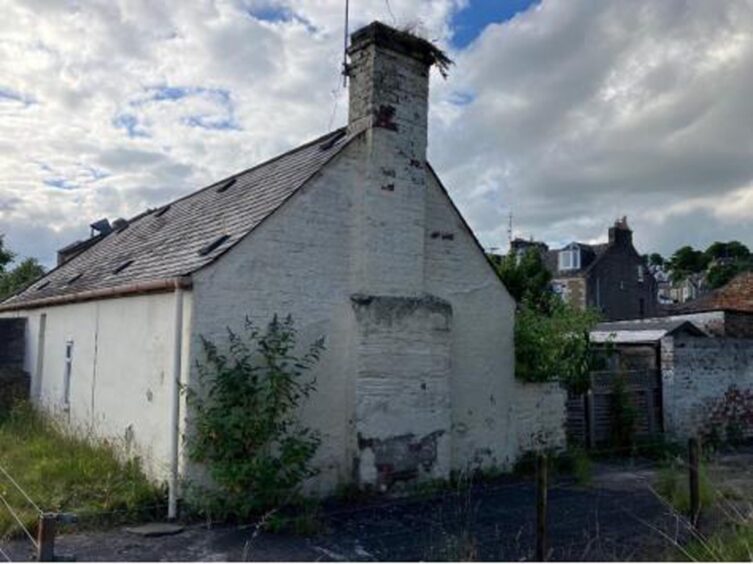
x=213, y=245
x=43, y=285
x=75, y=278
x=225, y=185
x=162, y=211
x=123, y=266
x=329, y=143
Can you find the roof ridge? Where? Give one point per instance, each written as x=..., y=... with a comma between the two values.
x=269, y=161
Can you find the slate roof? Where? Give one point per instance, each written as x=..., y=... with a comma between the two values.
x=189, y=233
x=736, y=295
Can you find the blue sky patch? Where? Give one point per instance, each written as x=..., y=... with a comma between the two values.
x=462, y=98
x=279, y=14
x=60, y=183
x=212, y=122
x=6, y=94
x=469, y=22
x=130, y=123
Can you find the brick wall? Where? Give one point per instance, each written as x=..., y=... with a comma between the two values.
x=14, y=382
x=707, y=385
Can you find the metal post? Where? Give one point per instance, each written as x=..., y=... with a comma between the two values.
x=694, y=480
x=541, y=507
x=46, y=537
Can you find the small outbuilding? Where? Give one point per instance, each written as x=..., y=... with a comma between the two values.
x=354, y=235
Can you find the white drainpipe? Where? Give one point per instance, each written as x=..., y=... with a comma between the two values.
x=172, y=504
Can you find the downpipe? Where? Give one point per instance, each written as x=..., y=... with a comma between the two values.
x=172, y=503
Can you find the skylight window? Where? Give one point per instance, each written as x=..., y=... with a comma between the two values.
x=43, y=285
x=329, y=143
x=162, y=211
x=122, y=266
x=225, y=185
x=213, y=245
x=75, y=278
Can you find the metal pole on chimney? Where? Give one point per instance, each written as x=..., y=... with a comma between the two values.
x=345, y=44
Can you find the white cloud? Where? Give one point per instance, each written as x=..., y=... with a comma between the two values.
x=571, y=114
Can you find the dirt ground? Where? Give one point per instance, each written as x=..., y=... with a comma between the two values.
x=616, y=516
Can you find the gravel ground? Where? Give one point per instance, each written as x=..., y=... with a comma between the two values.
x=615, y=517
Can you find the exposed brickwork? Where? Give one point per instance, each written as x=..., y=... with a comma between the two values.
x=697, y=374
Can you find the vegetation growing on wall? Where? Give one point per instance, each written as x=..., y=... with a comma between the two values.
x=245, y=418
x=551, y=337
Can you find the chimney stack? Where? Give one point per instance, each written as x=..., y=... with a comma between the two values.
x=389, y=105
x=389, y=83
x=621, y=234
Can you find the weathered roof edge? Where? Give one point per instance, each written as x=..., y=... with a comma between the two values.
x=468, y=228
x=154, y=287
x=300, y=187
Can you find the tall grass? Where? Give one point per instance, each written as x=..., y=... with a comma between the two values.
x=673, y=485
x=67, y=474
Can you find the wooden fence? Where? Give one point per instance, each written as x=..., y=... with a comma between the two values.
x=589, y=416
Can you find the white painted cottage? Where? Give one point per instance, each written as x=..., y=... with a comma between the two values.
x=355, y=236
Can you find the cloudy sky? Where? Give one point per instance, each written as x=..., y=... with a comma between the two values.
x=567, y=113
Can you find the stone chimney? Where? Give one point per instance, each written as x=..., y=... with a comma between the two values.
x=620, y=234
x=389, y=103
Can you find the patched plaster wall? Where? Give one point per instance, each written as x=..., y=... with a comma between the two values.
x=697, y=374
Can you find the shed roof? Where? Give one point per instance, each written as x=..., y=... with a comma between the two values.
x=186, y=234
x=643, y=330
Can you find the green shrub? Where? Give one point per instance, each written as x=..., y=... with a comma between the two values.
x=244, y=413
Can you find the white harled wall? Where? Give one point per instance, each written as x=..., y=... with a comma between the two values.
x=120, y=371
x=300, y=261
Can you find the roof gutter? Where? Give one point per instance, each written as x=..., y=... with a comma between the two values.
x=155, y=287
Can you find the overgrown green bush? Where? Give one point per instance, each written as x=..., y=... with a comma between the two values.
x=245, y=419
x=555, y=346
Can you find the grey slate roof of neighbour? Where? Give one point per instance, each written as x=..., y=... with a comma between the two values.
x=168, y=242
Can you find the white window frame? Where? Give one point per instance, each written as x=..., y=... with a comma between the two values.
x=641, y=274
x=569, y=258
x=67, y=375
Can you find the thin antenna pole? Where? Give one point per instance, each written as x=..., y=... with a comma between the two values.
x=345, y=45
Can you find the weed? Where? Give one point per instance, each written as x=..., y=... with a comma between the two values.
x=68, y=473
x=673, y=486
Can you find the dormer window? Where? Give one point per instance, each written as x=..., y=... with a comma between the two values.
x=569, y=258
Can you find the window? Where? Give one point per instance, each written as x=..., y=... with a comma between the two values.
x=569, y=258
x=67, y=375
x=640, y=273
